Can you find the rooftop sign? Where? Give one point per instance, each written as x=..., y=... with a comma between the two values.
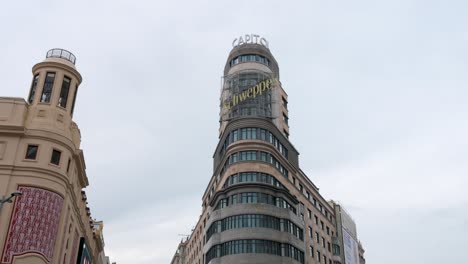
x=249, y=93
x=250, y=39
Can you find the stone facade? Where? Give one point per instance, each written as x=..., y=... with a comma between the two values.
x=40, y=156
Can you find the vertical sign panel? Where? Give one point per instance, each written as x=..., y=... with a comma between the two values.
x=350, y=248
x=34, y=224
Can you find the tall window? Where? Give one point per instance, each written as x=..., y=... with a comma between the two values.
x=64, y=92
x=32, y=92
x=336, y=249
x=68, y=165
x=47, y=89
x=74, y=99
x=235, y=136
x=55, y=159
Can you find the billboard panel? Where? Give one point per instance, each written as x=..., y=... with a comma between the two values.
x=350, y=248
x=34, y=224
x=348, y=223
x=350, y=244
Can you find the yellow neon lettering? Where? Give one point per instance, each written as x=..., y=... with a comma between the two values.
x=243, y=96
x=259, y=88
x=256, y=90
x=262, y=86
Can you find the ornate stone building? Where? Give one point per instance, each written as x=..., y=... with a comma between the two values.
x=40, y=157
x=259, y=206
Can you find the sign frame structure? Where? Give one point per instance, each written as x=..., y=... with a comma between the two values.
x=250, y=39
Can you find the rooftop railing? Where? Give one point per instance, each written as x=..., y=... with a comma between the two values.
x=61, y=53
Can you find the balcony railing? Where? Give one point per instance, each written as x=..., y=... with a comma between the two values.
x=61, y=53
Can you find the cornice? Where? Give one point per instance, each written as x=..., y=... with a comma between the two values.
x=42, y=171
x=55, y=64
x=224, y=191
x=259, y=122
x=12, y=130
x=51, y=136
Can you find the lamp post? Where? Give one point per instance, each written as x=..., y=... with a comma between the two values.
x=9, y=199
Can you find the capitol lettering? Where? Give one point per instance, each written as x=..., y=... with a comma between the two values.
x=250, y=39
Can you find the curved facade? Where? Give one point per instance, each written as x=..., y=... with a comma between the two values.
x=251, y=87
x=253, y=166
x=40, y=156
x=259, y=207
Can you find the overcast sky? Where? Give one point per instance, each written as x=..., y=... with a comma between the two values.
x=378, y=94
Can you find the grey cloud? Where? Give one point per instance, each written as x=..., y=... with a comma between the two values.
x=377, y=93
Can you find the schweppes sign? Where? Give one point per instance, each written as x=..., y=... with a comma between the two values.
x=249, y=93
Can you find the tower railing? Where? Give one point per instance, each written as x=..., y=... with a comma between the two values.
x=61, y=53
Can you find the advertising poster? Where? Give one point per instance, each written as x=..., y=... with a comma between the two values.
x=350, y=248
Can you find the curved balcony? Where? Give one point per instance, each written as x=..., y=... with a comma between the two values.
x=253, y=258
x=252, y=232
x=62, y=54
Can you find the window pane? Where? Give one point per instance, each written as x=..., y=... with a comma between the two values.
x=31, y=152
x=55, y=159
x=47, y=89
x=74, y=99
x=33, y=88
x=64, y=92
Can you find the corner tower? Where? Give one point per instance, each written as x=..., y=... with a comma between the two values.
x=259, y=207
x=40, y=157
x=252, y=88
x=53, y=94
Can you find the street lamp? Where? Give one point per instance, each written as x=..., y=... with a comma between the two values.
x=9, y=199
